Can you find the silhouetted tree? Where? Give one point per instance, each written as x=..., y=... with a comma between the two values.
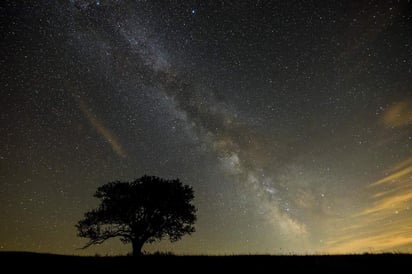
x=139, y=212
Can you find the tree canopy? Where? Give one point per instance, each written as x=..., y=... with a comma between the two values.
x=142, y=211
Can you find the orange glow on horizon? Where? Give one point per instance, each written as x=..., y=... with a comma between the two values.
x=386, y=224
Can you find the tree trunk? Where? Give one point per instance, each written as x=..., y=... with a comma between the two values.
x=137, y=247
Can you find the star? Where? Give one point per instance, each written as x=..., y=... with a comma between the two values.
x=289, y=127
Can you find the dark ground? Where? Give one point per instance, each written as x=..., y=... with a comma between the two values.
x=367, y=263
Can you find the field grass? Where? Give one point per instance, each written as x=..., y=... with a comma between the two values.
x=365, y=263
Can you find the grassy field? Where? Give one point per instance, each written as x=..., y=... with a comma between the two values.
x=365, y=263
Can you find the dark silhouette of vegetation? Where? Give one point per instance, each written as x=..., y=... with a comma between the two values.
x=145, y=210
x=27, y=262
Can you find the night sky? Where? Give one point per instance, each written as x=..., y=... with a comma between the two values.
x=292, y=120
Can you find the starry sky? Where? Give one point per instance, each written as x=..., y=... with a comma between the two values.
x=292, y=120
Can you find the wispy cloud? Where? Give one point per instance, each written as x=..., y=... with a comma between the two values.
x=388, y=240
x=102, y=129
x=394, y=177
x=398, y=115
x=386, y=224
